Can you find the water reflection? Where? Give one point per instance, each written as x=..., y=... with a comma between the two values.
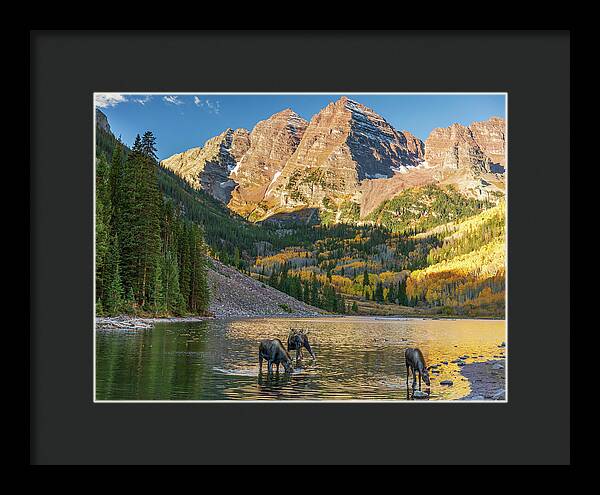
x=357, y=358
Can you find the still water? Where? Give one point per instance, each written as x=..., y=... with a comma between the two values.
x=356, y=358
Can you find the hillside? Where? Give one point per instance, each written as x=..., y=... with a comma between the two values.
x=234, y=294
x=466, y=273
x=422, y=244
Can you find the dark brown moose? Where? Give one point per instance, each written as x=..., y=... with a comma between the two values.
x=416, y=362
x=274, y=353
x=297, y=339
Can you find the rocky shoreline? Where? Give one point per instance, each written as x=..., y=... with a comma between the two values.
x=125, y=322
x=487, y=380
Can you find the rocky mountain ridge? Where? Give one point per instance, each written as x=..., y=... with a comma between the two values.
x=210, y=166
x=344, y=144
x=272, y=142
x=479, y=146
x=346, y=155
x=102, y=121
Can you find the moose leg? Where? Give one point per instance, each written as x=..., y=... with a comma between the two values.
x=277, y=367
x=419, y=380
x=414, y=374
x=407, y=374
x=270, y=366
x=260, y=360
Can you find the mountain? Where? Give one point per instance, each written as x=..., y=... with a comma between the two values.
x=209, y=167
x=414, y=145
x=341, y=165
x=472, y=158
x=479, y=146
x=467, y=270
x=344, y=144
x=490, y=135
x=272, y=142
x=102, y=121
x=423, y=238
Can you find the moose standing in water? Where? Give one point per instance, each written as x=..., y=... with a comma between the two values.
x=415, y=361
x=297, y=339
x=274, y=352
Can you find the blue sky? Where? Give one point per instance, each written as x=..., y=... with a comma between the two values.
x=180, y=122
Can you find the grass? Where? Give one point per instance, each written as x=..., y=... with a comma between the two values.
x=371, y=308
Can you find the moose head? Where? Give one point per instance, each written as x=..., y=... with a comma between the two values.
x=425, y=376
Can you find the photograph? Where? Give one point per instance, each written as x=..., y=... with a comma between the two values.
x=295, y=247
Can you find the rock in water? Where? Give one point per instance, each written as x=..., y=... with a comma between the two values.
x=449, y=383
x=499, y=395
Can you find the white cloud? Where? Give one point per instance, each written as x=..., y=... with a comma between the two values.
x=143, y=100
x=212, y=106
x=104, y=100
x=173, y=100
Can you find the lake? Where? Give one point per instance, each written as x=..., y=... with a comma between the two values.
x=358, y=358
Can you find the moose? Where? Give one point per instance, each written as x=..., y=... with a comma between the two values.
x=414, y=360
x=297, y=339
x=274, y=352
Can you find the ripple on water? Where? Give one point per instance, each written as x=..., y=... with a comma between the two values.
x=357, y=358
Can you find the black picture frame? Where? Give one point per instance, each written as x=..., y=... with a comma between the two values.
x=66, y=67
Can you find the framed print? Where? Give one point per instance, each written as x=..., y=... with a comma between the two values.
x=347, y=246
x=333, y=232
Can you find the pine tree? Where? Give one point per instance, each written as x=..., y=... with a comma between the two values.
x=391, y=295
x=314, y=292
x=366, y=278
x=139, y=225
x=144, y=249
x=103, y=207
x=158, y=293
x=116, y=177
x=199, y=292
x=378, y=294
x=402, y=299
x=113, y=293
x=102, y=245
x=306, y=292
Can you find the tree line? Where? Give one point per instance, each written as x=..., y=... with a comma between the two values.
x=149, y=259
x=310, y=290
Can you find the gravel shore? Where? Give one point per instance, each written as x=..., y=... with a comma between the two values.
x=233, y=295
x=487, y=380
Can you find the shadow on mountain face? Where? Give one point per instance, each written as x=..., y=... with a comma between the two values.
x=495, y=168
x=304, y=216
